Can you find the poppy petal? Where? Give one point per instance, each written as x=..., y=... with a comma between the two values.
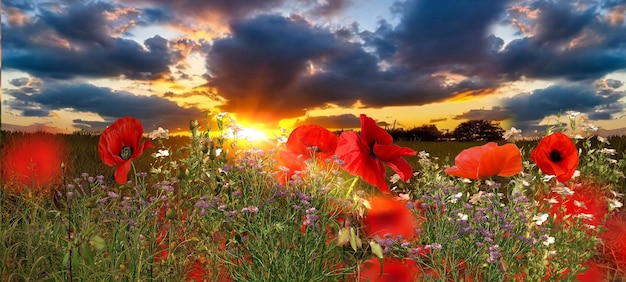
x=461, y=172
x=488, y=160
x=503, y=160
x=470, y=157
x=373, y=172
x=393, y=270
x=388, y=215
x=141, y=146
x=467, y=162
x=372, y=133
x=121, y=172
x=114, y=144
x=104, y=152
x=564, y=164
x=402, y=168
x=358, y=160
x=392, y=155
x=393, y=151
x=304, y=137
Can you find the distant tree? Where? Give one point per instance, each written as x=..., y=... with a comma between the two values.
x=399, y=134
x=428, y=132
x=478, y=130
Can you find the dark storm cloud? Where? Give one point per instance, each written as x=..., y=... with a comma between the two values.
x=613, y=83
x=606, y=111
x=257, y=65
x=18, y=82
x=199, y=8
x=558, y=23
x=382, y=39
x=275, y=67
x=568, y=43
x=436, y=33
x=435, y=120
x=27, y=108
x=80, y=23
x=233, y=9
x=493, y=114
x=81, y=97
x=272, y=67
x=521, y=60
x=156, y=15
x=39, y=47
x=328, y=8
x=19, y=4
x=557, y=99
x=345, y=121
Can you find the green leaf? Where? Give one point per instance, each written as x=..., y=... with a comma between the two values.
x=376, y=249
x=75, y=259
x=97, y=242
x=87, y=253
x=343, y=236
x=66, y=258
x=353, y=239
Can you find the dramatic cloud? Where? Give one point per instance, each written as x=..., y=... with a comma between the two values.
x=345, y=121
x=109, y=104
x=258, y=70
x=435, y=120
x=277, y=59
x=556, y=99
x=494, y=114
x=566, y=43
x=78, y=41
x=445, y=32
x=220, y=12
x=255, y=68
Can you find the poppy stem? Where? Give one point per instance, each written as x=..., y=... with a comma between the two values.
x=134, y=172
x=352, y=186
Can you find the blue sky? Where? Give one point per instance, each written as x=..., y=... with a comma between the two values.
x=71, y=65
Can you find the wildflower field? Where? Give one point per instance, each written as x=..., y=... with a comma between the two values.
x=311, y=205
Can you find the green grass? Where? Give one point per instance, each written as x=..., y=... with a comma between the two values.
x=82, y=151
x=40, y=238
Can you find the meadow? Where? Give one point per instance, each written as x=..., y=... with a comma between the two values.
x=218, y=209
x=82, y=150
x=81, y=155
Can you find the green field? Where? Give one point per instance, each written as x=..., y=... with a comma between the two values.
x=82, y=151
x=94, y=234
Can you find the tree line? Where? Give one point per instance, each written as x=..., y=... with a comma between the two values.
x=473, y=130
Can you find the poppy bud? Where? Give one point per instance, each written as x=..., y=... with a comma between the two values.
x=212, y=151
x=181, y=172
x=91, y=203
x=207, y=146
x=170, y=214
x=193, y=125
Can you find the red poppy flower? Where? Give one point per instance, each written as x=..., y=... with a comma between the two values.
x=593, y=273
x=614, y=239
x=197, y=272
x=33, y=160
x=303, y=143
x=393, y=270
x=556, y=155
x=120, y=143
x=312, y=138
x=365, y=154
x=390, y=216
x=485, y=161
x=587, y=202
